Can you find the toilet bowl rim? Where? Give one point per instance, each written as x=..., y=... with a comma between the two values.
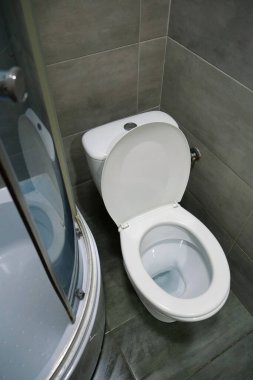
x=189, y=308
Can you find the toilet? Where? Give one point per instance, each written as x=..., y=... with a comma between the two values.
x=141, y=166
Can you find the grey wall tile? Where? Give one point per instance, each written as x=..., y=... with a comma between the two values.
x=4, y=41
x=245, y=238
x=96, y=89
x=154, y=349
x=154, y=18
x=88, y=199
x=2, y=184
x=235, y=363
x=190, y=203
x=212, y=106
x=220, y=32
x=70, y=29
x=242, y=276
x=76, y=160
x=152, y=54
x=223, y=194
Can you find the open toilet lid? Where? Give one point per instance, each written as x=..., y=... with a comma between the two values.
x=148, y=168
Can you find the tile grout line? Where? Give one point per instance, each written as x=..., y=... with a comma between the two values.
x=126, y=321
x=243, y=225
x=244, y=253
x=102, y=51
x=88, y=129
x=220, y=354
x=211, y=65
x=91, y=55
x=128, y=364
x=165, y=52
x=138, y=63
x=123, y=356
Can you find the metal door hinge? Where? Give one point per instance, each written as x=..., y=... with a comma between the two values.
x=123, y=226
x=79, y=293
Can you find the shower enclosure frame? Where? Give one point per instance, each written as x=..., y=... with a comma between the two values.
x=93, y=299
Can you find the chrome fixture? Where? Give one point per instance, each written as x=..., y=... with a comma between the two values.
x=129, y=126
x=195, y=155
x=12, y=84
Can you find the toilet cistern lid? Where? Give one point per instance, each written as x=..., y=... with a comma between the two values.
x=148, y=168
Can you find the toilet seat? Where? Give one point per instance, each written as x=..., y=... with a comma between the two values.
x=149, y=167
x=182, y=309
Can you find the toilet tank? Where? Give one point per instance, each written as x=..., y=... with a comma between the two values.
x=99, y=141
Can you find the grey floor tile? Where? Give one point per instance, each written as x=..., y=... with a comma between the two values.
x=235, y=364
x=242, y=276
x=96, y=89
x=154, y=18
x=111, y=365
x=156, y=350
x=152, y=54
x=244, y=240
x=220, y=33
x=214, y=107
x=77, y=28
x=121, y=301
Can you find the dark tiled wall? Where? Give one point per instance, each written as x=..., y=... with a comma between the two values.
x=105, y=61
x=207, y=88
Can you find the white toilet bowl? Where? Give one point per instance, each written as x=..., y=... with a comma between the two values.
x=174, y=262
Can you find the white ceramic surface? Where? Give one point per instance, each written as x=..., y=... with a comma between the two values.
x=205, y=292
x=175, y=263
x=149, y=167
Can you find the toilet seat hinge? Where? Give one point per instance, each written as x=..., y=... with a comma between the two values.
x=123, y=226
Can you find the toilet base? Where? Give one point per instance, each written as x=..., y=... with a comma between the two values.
x=161, y=317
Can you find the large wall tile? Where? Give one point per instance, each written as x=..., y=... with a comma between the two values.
x=190, y=203
x=151, y=73
x=76, y=160
x=95, y=89
x=214, y=107
x=154, y=18
x=88, y=199
x=220, y=31
x=245, y=237
x=242, y=276
x=70, y=29
x=223, y=194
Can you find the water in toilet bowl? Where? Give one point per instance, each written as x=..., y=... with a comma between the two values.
x=177, y=265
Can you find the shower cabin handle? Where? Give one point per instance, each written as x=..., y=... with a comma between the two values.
x=12, y=84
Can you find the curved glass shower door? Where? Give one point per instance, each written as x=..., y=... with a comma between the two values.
x=32, y=159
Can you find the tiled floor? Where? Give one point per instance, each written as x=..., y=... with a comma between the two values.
x=137, y=346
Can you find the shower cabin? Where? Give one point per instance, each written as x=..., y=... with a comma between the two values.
x=52, y=312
